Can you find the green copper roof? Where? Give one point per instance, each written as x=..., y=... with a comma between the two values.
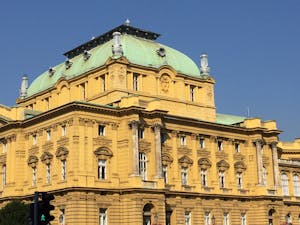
x=226, y=119
x=137, y=50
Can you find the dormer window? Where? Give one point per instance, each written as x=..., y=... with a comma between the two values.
x=86, y=55
x=51, y=71
x=68, y=64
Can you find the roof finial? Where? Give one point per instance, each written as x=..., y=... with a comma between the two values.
x=127, y=22
x=204, y=68
x=24, y=87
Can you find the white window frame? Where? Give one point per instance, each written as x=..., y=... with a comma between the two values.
x=63, y=130
x=165, y=173
x=63, y=169
x=237, y=147
x=187, y=218
x=34, y=176
x=243, y=219
x=184, y=176
x=226, y=218
x=220, y=145
x=48, y=173
x=101, y=130
x=202, y=143
x=222, y=179
x=101, y=169
x=34, y=139
x=239, y=180
x=62, y=217
x=192, y=93
x=102, y=216
x=207, y=218
x=183, y=140
x=296, y=184
x=141, y=133
x=143, y=165
x=203, y=174
x=285, y=184
x=48, y=132
x=135, y=81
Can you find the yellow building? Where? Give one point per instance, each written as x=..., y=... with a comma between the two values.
x=125, y=131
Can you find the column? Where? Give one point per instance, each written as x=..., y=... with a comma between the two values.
x=275, y=163
x=135, y=147
x=258, y=145
x=158, y=163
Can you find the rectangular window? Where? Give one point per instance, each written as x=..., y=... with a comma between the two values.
x=101, y=130
x=237, y=147
x=243, y=219
x=192, y=93
x=101, y=169
x=102, y=216
x=141, y=133
x=183, y=140
x=207, y=218
x=187, y=218
x=184, y=176
x=48, y=135
x=203, y=178
x=3, y=176
x=143, y=165
x=220, y=145
x=165, y=173
x=103, y=85
x=222, y=179
x=83, y=91
x=226, y=218
x=201, y=143
x=63, y=130
x=135, y=81
x=63, y=169
x=239, y=180
x=34, y=176
x=34, y=139
x=296, y=184
x=48, y=173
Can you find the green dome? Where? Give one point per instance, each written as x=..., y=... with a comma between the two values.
x=137, y=50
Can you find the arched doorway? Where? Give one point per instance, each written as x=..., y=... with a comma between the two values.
x=168, y=215
x=271, y=216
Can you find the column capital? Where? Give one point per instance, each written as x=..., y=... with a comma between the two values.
x=157, y=126
x=259, y=141
x=273, y=144
x=134, y=123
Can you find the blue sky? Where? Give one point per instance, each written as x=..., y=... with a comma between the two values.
x=253, y=46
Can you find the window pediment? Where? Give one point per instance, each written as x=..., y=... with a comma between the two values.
x=103, y=153
x=32, y=161
x=223, y=165
x=240, y=166
x=62, y=153
x=185, y=161
x=204, y=163
x=166, y=159
x=46, y=157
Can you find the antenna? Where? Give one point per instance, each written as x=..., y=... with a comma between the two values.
x=248, y=112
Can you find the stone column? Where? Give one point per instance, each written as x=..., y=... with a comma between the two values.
x=275, y=163
x=258, y=145
x=135, y=147
x=158, y=163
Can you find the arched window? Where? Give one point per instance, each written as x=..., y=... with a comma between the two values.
x=296, y=184
x=285, y=184
x=270, y=214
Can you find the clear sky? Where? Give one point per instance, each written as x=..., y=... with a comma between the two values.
x=253, y=46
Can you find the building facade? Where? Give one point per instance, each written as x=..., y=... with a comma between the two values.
x=125, y=131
